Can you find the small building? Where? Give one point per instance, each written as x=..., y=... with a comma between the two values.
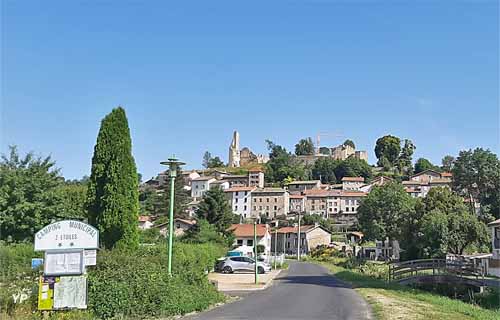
x=311, y=236
x=352, y=183
x=355, y=236
x=256, y=178
x=145, y=222
x=494, y=263
x=200, y=185
x=236, y=180
x=244, y=236
x=298, y=187
x=180, y=226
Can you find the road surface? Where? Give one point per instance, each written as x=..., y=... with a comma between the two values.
x=305, y=291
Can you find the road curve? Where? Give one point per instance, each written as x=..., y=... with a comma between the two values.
x=305, y=291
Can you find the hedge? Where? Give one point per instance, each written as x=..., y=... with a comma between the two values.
x=123, y=284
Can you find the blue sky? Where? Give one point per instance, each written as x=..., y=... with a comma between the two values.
x=190, y=74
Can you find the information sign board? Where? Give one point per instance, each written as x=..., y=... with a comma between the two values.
x=90, y=257
x=70, y=292
x=63, y=262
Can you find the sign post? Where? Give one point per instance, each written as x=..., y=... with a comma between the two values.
x=69, y=247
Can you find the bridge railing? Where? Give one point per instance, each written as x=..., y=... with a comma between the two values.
x=421, y=267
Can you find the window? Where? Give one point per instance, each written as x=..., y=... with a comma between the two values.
x=255, y=207
x=246, y=192
x=236, y=200
x=236, y=208
x=237, y=194
x=260, y=207
x=347, y=209
x=267, y=199
x=203, y=186
x=267, y=214
x=260, y=199
x=254, y=199
x=245, y=208
x=275, y=199
x=250, y=243
x=246, y=200
x=239, y=242
x=288, y=245
x=275, y=207
x=196, y=187
x=237, y=259
x=312, y=207
x=245, y=215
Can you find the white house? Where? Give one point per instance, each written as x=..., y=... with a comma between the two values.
x=200, y=185
x=240, y=199
x=352, y=183
x=145, y=222
x=243, y=235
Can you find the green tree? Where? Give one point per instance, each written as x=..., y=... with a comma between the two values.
x=324, y=170
x=353, y=167
x=388, y=147
x=447, y=163
x=405, y=158
x=215, y=163
x=30, y=197
x=282, y=165
x=206, y=159
x=73, y=196
x=304, y=147
x=325, y=150
x=112, y=197
x=349, y=142
x=383, y=212
x=423, y=164
x=182, y=196
x=204, y=232
x=215, y=208
x=151, y=202
x=476, y=175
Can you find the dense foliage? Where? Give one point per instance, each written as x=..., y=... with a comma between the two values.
x=282, y=165
x=215, y=209
x=304, y=147
x=113, y=198
x=423, y=164
x=476, y=175
x=33, y=194
x=211, y=162
x=387, y=149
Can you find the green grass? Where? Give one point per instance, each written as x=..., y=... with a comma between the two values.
x=393, y=301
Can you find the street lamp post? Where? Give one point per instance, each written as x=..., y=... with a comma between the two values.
x=298, y=240
x=255, y=250
x=172, y=164
x=275, y=244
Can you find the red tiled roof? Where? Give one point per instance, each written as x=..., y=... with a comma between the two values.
x=354, y=179
x=246, y=230
x=304, y=228
x=447, y=174
x=296, y=196
x=424, y=172
x=144, y=218
x=353, y=194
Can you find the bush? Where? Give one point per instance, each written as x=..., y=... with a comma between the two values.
x=137, y=284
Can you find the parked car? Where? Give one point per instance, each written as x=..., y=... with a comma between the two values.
x=231, y=264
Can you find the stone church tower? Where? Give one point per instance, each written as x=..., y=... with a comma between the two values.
x=234, y=151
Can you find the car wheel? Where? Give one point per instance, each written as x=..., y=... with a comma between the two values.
x=227, y=269
x=260, y=270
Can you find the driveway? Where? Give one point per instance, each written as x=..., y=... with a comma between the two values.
x=305, y=291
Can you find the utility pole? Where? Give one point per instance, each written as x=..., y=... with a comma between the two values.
x=255, y=250
x=275, y=244
x=298, y=240
x=173, y=164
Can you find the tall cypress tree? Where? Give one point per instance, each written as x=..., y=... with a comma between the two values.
x=113, y=196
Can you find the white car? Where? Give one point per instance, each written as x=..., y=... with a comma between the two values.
x=231, y=264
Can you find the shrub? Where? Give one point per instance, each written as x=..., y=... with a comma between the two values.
x=137, y=284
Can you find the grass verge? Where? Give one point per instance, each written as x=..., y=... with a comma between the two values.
x=393, y=301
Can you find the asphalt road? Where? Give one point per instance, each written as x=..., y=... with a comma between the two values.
x=305, y=291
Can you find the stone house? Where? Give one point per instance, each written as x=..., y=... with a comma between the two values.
x=352, y=183
x=270, y=202
x=145, y=222
x=298, y=187
x=311, y=236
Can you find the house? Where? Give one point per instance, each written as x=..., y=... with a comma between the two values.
x=192, y=207
x=200, y=185
x=352, y=183
x=180, y=226
x=297, y=203
x=240, y=199
x=311, y=236
x=270, y=202
x=316, y=201
x=145, y=222
x=419, y=184
x=187, y=178
x=256, y=178
x=244, y=235
x=298, y=187
x=221, y=184
x=494, y=263
x=236, y=180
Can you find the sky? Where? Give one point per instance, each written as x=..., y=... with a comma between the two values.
x=190, y=73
